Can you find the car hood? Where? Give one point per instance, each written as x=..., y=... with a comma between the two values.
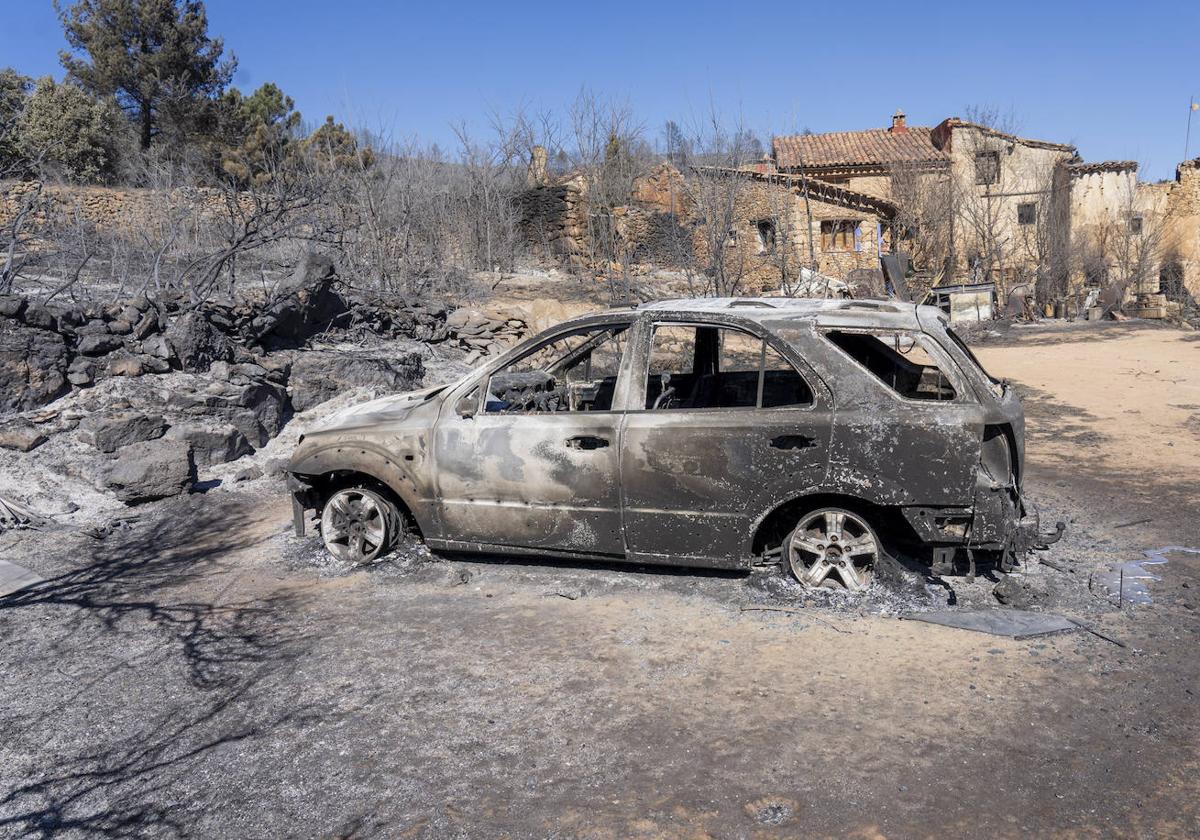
x=390, y=409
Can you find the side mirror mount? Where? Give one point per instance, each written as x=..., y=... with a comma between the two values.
x=465, y=407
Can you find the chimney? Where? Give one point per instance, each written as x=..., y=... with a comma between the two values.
x=898, y=126
x=536, y=175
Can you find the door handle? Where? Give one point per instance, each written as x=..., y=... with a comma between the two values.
x=586, y=442
x=794, y=442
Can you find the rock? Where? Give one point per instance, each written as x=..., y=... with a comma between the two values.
x=33, y=367
x=147, y=324
x=120, y=327
x=98, y=345
x=40, y=317
x=92, y=328
x=153, y=469
x=12, y=306
x=153, y=364
x=301, y=306
x=248, y=473
x=213, y=444
x=21, y=436
x=198, y=343
x=1016, y=592
x=82, y=371
x=109, y=432
x=318, y=375
x=124, y=365
x=159, y=347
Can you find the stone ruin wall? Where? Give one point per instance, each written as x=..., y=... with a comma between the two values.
x=123, y=211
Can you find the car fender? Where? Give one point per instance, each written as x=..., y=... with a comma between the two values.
x=374, y=461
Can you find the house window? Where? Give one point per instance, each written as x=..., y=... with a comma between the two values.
x=839, y=235
x=765, y=229
x=987, y=167
x=1027, y=213
x=1135, y=225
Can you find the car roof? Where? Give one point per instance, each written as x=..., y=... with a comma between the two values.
x=824, y=312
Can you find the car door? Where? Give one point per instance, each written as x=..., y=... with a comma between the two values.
x=909, y=426
x=534, y=465
x=730, y=423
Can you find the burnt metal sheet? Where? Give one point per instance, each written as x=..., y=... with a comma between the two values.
x=1016, y=624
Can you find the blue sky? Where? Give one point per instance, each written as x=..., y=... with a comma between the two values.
x=1113, y=78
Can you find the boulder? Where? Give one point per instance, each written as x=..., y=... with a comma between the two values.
x=211, y=444
x=145, y=325
x=12, y=306
x=39, y=316
x=257, y=409
x=318, y=375
x=33, y=367
x=159, y=347
x=197, y=343
x=109, y=432
x=302, y=306
x=153, y=469
x=98, y=345
x=21, y=436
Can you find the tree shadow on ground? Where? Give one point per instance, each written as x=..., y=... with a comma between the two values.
x=157, y=605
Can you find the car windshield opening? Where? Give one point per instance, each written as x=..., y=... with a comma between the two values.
x=572, y=372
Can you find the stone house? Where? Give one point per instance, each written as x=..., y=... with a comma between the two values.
x=779, y=223
x=992, y=192
x=966, y=201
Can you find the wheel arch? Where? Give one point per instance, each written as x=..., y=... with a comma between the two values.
x=342, y=466
x=770, y=528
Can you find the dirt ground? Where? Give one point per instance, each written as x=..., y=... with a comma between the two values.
x=203, y=673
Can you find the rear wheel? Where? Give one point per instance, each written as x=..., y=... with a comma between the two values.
x=832, y=548
x=359, y=525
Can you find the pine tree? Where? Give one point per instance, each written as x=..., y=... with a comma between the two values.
x=154, y=56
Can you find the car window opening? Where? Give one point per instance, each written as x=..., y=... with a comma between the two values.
x=695, y=367
x=572, y=372
x=897, y=359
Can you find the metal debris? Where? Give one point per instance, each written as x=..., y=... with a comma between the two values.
x=1017, y=624
x=14, y=578
x=14, y=516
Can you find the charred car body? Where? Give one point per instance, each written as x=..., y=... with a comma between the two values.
x=725, y=433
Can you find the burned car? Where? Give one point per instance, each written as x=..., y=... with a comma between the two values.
x=822, y=435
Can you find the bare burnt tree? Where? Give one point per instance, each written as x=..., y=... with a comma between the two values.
x=926, y=205
x=715, y=262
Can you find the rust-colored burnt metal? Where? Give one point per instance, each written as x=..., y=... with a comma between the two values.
x=823, y=435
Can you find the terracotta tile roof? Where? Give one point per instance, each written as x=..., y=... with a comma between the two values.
x=874, y=146
x=1082, y=168
x=817, y=189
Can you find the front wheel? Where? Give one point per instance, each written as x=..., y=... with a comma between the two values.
x=832, y=548
x=358, y=525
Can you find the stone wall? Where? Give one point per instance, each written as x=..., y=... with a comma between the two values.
x=1182, y=226
x=125, y=210
x=554, y=220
